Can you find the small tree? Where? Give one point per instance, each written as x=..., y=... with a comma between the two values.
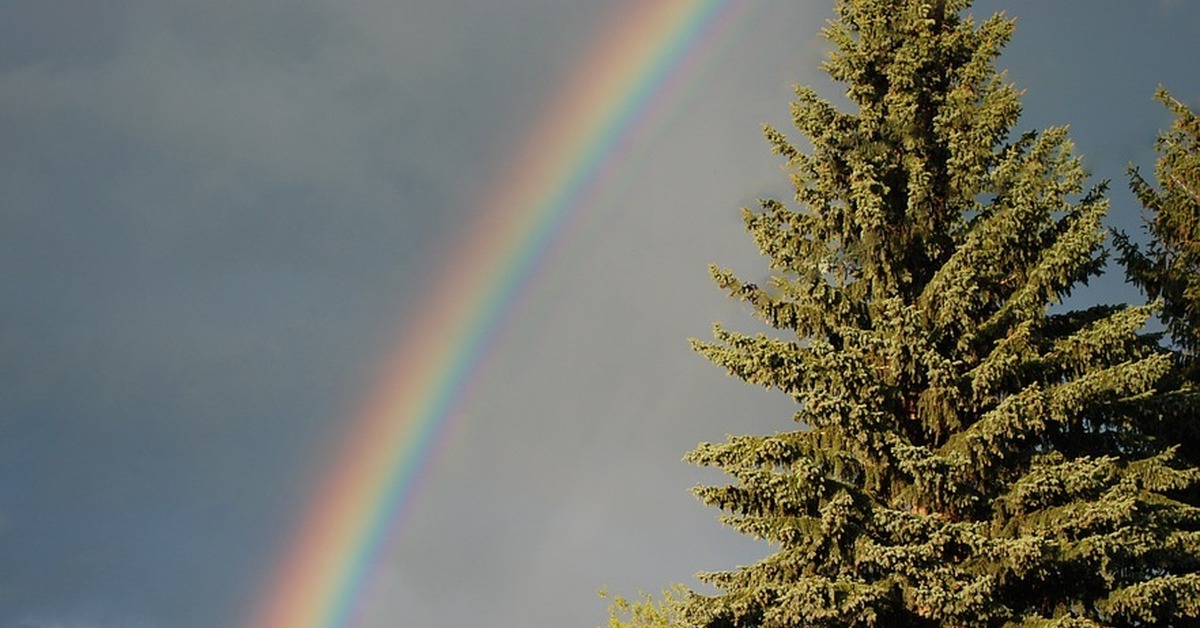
x=965, y=457
x=644, y=611
x=1170, y=268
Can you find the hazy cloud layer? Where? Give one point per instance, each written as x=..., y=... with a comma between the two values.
x=215, y=217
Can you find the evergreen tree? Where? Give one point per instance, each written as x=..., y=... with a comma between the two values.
x=1170, y=268
x=967, y=454
x=644, y=611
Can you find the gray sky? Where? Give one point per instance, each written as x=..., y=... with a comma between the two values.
x=216, y=215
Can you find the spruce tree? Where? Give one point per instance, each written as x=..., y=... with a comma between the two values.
x=968, y=451
x=1170, y=268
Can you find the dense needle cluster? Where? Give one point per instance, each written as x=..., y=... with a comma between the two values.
x=1170, y=268
x=967, y=451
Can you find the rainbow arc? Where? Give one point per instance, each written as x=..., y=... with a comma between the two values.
x=638, y=64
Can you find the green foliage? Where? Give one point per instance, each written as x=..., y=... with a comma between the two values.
x=964, y=457
x=644, y=612
x=1170, y=267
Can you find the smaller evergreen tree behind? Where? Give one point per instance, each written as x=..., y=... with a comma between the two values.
x=644, y=611
x=1169, y=269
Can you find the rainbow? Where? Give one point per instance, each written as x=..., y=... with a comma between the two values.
x=639, y=64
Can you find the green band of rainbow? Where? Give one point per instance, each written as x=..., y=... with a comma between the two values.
x=641, y=62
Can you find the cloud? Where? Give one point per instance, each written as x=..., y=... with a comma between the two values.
x=212, y=215
x=217, y=216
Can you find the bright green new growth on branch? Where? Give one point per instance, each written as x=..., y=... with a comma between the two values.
x=967, y=454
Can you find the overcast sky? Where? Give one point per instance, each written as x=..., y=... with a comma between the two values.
x=216, y=215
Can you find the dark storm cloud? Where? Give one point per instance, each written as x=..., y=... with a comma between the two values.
x=211, y=212
x=215, y=214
